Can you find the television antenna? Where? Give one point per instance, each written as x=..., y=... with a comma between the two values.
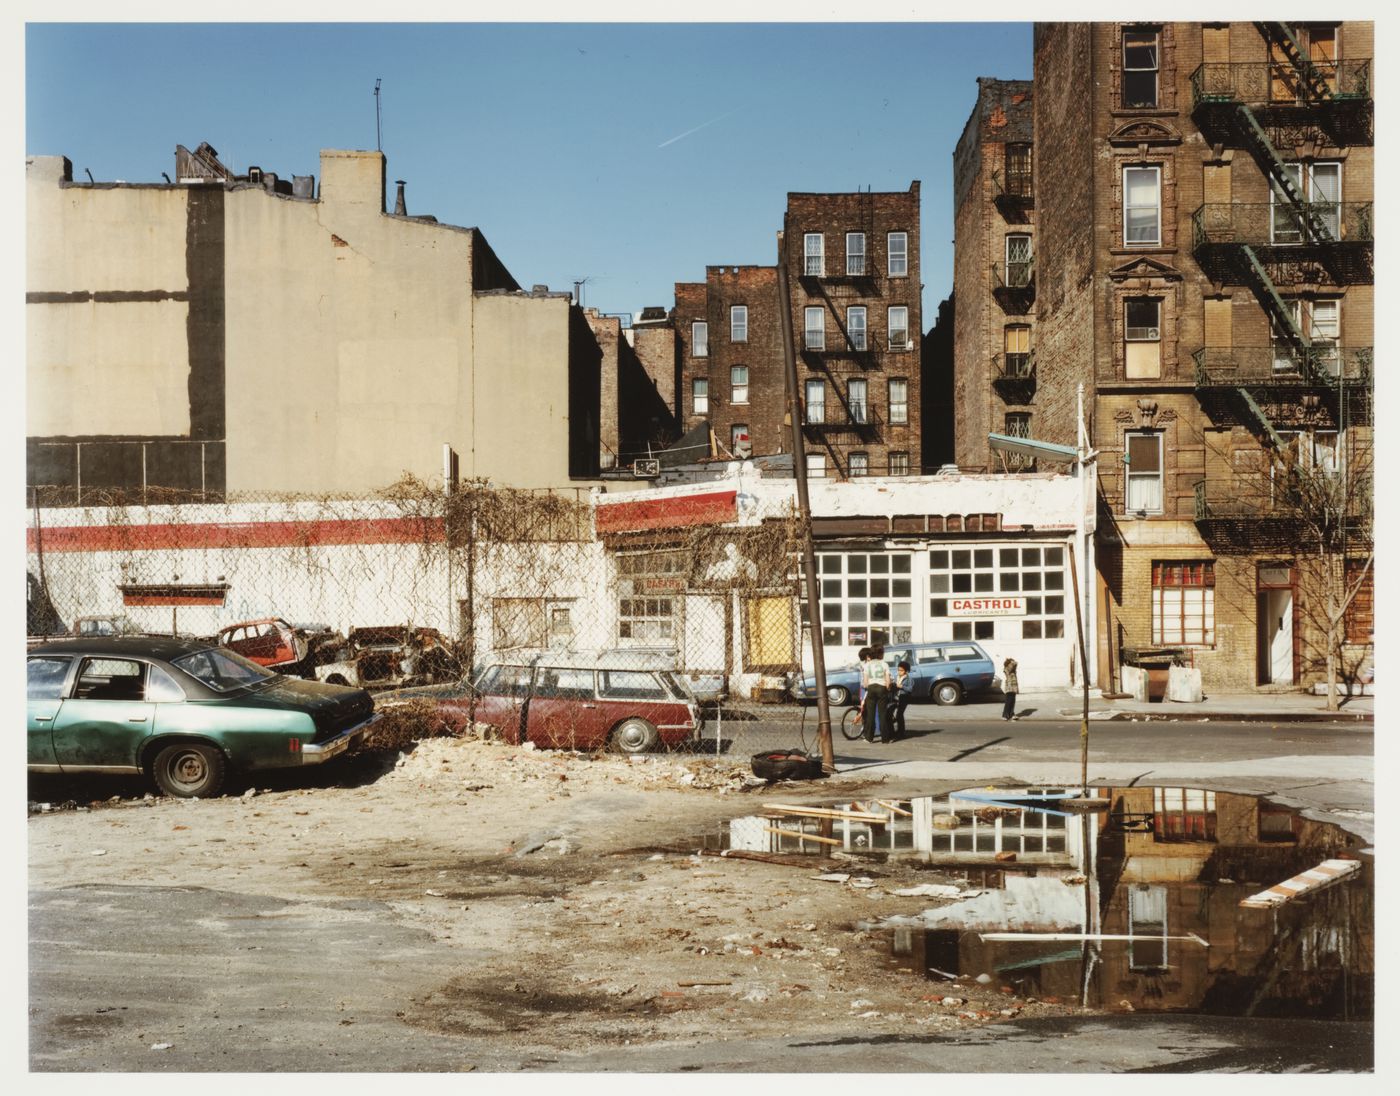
x=378, y=116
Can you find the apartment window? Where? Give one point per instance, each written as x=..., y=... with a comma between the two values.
x=816, y=401
x=860, y=464
x=739, y=323
x=699, y=340
x=1036, y=574
x=814, y=254
x=899, y=400
x=899, y=463
x=1320, y=186
x=1141, y=63
x=898, y=321
x=1144, y=473
x=855, y=254
x=1016, y=342
x=1018, y=424
x=1142, y=206
x=1018, y=260
x=860, y=411
x=898, y=254
x=700, y=396
x=814, y=328
x=855, y=326
x=1325, y=323
x=738, y=437
x=866, y=597
x=1183, y=603
x=1018, y=170
x=1142, y=334
x=739, y=384
x=816, y=465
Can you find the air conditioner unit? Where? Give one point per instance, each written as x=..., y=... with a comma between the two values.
x=646, y=469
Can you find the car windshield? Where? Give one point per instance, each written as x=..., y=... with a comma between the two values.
x=223, y=671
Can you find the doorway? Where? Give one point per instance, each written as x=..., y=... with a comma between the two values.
x=1277, y=650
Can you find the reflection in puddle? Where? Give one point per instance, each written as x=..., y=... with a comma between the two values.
x=1142, y=906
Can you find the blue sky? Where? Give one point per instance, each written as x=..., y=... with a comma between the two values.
x=629, y=154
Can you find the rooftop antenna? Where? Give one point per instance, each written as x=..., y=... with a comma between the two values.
x=378, y=136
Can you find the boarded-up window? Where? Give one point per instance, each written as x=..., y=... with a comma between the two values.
x=770, y=632
x=1361, y=613
x=1215, y=46
x=1219, y=322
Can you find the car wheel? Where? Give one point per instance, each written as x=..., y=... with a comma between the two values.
x=188, y=770
x=947, y=692
x=634, y=736
x=336, y=679
x=838, y=695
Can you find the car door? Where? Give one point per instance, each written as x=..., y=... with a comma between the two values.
x=48, y=674
x=105, y=717
x=927, y=667
x=564, y=711
x=500, y=701
x=967, y=665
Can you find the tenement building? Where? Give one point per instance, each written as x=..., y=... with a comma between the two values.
x=994, y=275
x=1204, y=208
x=854, y=284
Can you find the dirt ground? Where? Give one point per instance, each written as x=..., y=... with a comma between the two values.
x=579, y=875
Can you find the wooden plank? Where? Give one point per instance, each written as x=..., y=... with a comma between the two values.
x=1326, y=874
x=825, y=812
x=793, y=861
x=892, y=808
x=802, y=836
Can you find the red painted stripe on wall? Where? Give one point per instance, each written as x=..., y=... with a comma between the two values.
x=169, y=599
x=667, y=513
x=236, y=534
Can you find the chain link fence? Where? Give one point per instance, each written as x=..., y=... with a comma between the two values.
x=573, y=637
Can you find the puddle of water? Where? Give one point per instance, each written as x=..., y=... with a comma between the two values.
x=1134, y=907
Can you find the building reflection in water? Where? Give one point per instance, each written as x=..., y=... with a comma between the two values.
x=1134, y=907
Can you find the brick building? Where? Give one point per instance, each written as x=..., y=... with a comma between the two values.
x=1203, y=205
x=994, y=275
x=854, y=278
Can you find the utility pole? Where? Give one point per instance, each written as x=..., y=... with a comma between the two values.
x=804, y=509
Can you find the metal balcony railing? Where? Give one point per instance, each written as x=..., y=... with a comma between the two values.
x=1274, y=496
x=1018, y=274
x=1263, y=224
x=1278, y=83
x=1285, y=366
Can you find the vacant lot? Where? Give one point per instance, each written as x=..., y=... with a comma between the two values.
x=458, y=905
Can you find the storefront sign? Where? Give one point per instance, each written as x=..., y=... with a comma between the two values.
x=986, y=606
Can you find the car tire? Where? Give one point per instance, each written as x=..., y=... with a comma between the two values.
x=336, y=679
x=838, y=695
x=634, y=736
x=947, y=693
x=189, y=770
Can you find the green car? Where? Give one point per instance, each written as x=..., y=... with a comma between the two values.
x=181, y=711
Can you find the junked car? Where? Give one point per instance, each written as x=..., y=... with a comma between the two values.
x=183, y=712
x=577, y=702
x=390, y=657
x=945, y=672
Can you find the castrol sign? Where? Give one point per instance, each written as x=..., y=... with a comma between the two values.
x=1013, y=605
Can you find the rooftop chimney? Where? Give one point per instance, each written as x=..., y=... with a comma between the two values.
x=400, y=210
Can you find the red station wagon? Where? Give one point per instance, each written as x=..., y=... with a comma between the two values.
x=563, y=702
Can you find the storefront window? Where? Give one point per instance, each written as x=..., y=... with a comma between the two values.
x=649, y=587
x=1010, y=592
x=867, y=598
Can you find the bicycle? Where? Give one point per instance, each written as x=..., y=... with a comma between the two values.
x=853, y=726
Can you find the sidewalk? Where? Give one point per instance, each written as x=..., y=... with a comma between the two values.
x=1224, y=707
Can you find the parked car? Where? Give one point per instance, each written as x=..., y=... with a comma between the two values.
x=111, y=625
x=943, y=672
x=573, y=701
x=181, y=711
x=273, y=642
x=389, y=657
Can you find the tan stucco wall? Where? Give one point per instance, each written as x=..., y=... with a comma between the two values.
x=348, y=337
x=93, y=367
x=521, y=401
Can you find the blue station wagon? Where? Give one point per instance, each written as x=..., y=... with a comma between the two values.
x=943, y=672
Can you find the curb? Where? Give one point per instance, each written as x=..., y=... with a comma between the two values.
x=1184, y=716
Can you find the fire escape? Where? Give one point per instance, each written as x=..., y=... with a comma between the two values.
x=852, y=354
x=1297, y=238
